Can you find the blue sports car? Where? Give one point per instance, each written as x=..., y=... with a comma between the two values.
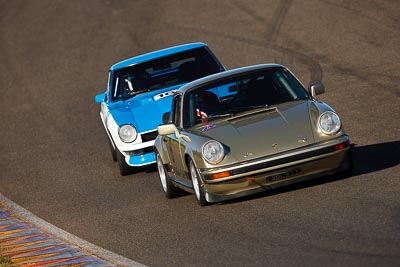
x=139, y=92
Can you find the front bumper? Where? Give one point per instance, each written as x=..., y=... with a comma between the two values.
x=141, y=155
x=141, y=160
x=279, y=170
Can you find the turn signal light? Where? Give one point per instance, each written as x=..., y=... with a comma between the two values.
x=340, y=146
x=220, y=175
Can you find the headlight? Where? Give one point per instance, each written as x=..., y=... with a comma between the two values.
x=213, y=151
x=127, y=133
x=329, y=122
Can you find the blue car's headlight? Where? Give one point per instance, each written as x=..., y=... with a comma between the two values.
x=329, y=122
x=127, y=133
x=213, y=151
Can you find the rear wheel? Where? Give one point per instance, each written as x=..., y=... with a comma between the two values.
x=169, y=189
x=197, y=184
x=124, y=168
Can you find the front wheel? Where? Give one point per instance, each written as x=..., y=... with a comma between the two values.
x=350, y=164
x=124, y=168
x=113, y=149
x=197, y=184
x=169, y=189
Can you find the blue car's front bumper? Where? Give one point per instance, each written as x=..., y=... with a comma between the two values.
x=140, y=160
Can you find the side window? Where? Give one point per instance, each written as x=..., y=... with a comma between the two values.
x=176, y=110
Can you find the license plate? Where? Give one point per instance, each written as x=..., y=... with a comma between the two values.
x=283, y=176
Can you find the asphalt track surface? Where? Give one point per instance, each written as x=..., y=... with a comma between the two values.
x=55, y=160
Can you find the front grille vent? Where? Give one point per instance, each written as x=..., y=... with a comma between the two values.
x=139, y=152
x=149, y=136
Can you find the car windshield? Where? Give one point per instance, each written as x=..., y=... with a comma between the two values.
x=241, y=93
x=161, y=73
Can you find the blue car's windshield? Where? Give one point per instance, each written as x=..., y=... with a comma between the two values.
x=224, y=98
x=162, y=73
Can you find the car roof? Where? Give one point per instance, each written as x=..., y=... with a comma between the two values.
x=156, y=54
x=228, y=73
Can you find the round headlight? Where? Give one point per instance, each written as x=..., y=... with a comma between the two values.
x=329, y=122
x=213, y=151
x=127, y=133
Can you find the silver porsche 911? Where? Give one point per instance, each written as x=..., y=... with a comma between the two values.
x=247, y=130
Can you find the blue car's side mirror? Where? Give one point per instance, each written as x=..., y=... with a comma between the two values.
x=100, y=98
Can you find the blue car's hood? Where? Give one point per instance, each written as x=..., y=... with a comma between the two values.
x=144, y=111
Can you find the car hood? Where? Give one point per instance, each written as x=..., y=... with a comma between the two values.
x=263, y=132
x=144, y=111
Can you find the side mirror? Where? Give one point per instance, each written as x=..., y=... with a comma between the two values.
x=100, y=98
x=316, y=89
x=165, y=117
x=166, y=129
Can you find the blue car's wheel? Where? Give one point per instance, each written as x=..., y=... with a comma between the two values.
x=124, y=168
x=197, y=185
x=113, y=151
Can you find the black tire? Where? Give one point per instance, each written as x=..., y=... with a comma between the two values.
x=197, y=184
x=350, y=164
x=113, y=150
x=124, y=168
x=169, y=189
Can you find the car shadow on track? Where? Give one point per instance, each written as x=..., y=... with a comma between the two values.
x=372, y=158
x=366, y=159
